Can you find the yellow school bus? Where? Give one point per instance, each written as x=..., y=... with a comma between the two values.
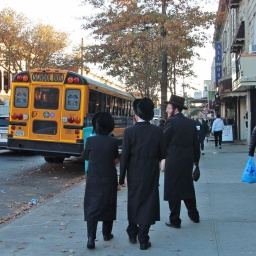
x=50, y=107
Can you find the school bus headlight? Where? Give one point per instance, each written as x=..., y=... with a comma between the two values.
x=71, y=119
x=64, y=119
x=19, y=78
x=76, y=131
x=76, y=80
x=70, y=80
x=25, y=78
x=25, y=116
x=14, y=116
x=77, y=120
x=20, y=116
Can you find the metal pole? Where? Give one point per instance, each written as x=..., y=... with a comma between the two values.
x=164, y=68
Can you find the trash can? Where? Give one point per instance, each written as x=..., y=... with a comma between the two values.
x=87, y=133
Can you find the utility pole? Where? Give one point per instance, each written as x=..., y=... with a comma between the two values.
x=164, y=68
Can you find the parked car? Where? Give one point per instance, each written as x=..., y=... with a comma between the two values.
x=4, y=119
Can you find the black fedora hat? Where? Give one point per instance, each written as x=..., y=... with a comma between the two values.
x=103, y=123
x=176, y=100
x=144, y=108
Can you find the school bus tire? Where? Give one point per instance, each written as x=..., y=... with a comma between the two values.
x=57, y=160
x=49, y=159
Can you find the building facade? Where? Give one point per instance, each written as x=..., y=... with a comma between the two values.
x=235, y=36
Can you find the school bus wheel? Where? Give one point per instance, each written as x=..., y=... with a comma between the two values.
x=57, y=160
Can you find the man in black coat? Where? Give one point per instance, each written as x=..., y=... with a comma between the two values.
x=202, y=130
x=183, y=151
x=100, y=199
x=142, y=149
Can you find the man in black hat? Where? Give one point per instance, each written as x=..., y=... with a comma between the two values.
x=183, y=152
x=100, y=200
x=142, y=149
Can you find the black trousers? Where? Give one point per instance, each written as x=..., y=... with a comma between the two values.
x=201, y=140
x=175, y=210
x=134, y=230
x=92, y=228
x=218, y=137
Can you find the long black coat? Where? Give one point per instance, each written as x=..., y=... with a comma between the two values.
x=143, y=147
x=202, y=128
x=100, y=200
x=183, y=151
x=252, y=142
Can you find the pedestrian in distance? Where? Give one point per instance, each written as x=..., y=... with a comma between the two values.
x=217, y=129
x=100, y=199
x=252, y=142
x=202, y=130
x=183, y=153
x=143, y=148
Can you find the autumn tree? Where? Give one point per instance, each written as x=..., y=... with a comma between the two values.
x=132, y=38
x=25, y=45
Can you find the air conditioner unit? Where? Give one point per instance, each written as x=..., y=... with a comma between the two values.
x=252, y=48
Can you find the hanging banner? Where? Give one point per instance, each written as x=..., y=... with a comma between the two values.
x=218, y=62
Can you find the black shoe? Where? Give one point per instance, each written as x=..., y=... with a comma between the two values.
x=109, y=237
x=90, y=243
x=133, y=240
x=145, y=246
x=169, y=224
x=219, y=147
x=195, y=220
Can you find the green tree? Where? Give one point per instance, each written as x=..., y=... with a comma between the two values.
x=24, y=45
x=132, y=38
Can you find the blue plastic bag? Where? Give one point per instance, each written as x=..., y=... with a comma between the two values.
x=249, y=174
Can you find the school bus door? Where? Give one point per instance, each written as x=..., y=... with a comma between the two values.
x=45, y=118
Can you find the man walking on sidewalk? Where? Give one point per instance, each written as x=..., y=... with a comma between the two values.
x=183, y=151
x=143, y=148
x=217, y=128
x=202, y=130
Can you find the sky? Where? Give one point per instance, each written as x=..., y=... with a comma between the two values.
x=65, y=17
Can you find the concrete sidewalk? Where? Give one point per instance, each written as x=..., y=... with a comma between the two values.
x=227, y=210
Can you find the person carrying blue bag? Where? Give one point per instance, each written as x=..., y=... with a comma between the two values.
x=249, y=174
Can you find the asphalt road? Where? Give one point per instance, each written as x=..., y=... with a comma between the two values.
x=24, y=177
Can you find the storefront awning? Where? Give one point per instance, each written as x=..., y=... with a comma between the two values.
x=239, y=39
x=225, y=85
x=234, y=4
x=234, y=94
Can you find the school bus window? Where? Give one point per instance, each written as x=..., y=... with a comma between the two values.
x=45, y=127
x=103, y=102
x=72, y=99
x=98, y=102
x=129, y=109
x=112, y=105
x=46, y=98
x=108, y=98
x=124, y=110
x=119, y=106
x=21, y=97
x=116, y=106
x=92, y=101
